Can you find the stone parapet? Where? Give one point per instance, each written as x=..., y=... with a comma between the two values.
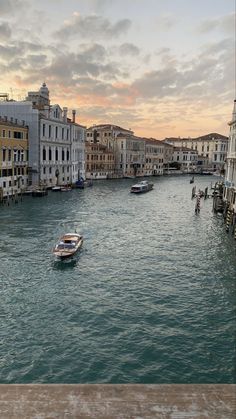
x=107, y=401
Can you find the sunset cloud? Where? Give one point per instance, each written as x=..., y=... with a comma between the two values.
x=224, y=23
x=134, y=66
x=92, y=27
x=5, y=31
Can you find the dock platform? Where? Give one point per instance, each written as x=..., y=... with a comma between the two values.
x=123, y=401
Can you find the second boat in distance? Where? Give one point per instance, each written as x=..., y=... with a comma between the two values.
x=141, y=187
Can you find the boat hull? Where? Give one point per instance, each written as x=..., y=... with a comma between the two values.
x=141, y=190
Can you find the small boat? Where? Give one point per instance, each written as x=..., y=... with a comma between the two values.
x=27, y=192
x=67, y=246
x=141, y=187
x=192, y=180
x=81, y=183
x=206, y=173
x=39, y=192
x=66, y=189
x=56, y=189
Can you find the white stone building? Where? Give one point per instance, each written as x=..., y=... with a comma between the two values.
x=55, y=141
x=230, y=176
x=186, y=158
x=212, y=147
x=78, y=136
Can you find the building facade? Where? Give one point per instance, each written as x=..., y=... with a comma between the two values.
x=230, y=176
x=13, y=157
x=186, y=158
x=154, y=157
x=130, y=155
x=212, y=147
x=55, y=141
x=167, y=156
x=100, y=161
x=78, y=157
x=103, y=139
x=55, y=147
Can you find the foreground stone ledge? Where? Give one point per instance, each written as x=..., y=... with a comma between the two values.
x=107, y=401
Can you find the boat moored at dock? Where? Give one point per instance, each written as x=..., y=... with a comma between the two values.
x=56, y=189
x=39, y=192
x=141, y=187
x=66, y=188
x=81, y=183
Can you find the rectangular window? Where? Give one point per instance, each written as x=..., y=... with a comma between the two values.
x=18, y=134
x=43, y=130
x=49, y=131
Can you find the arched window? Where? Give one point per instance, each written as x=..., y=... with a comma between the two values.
x=63, y=154
x=67, y=155
x=49, y=154
x=56, y=154
x=44, y=154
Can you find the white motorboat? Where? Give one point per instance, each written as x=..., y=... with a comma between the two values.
x=67, y=246
x=66, y=188
x=141, y=187
x=56, y=189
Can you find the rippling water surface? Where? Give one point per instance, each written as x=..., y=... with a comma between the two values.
x=150, y=299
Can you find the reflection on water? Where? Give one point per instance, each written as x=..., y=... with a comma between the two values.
x=64, y=264
x=149, y=299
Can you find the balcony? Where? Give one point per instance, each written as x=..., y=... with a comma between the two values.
x=7, y=164
x=20, y=163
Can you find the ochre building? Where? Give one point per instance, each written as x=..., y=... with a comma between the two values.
x=13, y=157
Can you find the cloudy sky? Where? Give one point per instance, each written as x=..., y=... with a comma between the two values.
x=160, y=67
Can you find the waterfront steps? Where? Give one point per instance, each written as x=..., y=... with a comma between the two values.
x=107, y=401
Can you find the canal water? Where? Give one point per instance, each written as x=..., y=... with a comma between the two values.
x=151, y=297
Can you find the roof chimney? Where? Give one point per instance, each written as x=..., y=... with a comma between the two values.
x=234, y=112
x=73, y=115
x=65, y=114
x=233, y=120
